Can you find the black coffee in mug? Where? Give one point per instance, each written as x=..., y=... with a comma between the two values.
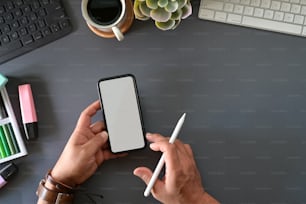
x=104, y=12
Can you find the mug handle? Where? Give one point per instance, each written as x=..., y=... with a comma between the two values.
x=118, y=33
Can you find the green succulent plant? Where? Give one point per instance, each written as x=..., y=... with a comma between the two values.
x=167, y=14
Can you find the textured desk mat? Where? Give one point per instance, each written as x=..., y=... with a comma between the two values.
x=243, y=91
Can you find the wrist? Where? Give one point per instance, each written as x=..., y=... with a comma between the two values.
x=53, y=191
x=50, y=194
x=61, y=177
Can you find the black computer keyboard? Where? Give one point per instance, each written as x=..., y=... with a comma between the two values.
x=29, y=24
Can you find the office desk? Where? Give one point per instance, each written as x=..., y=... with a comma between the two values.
x=243, y=91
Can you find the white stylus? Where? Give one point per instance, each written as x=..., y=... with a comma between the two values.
x=162, y=160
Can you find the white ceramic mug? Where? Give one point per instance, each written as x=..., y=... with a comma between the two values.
x=108, y=18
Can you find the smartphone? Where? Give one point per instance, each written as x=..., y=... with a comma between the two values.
x=122, y=113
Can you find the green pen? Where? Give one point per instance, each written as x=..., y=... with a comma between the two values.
x=4, y=142
x=10, y=128
x=2, y=152
x=9, y=139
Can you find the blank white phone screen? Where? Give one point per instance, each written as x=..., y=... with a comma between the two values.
x=122, y=114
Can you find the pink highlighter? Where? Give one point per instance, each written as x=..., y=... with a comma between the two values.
x=28, y=111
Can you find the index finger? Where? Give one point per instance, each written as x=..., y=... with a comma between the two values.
x=88, y=113
x=169, y=151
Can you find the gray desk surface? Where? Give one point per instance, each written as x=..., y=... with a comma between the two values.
x=243, y=91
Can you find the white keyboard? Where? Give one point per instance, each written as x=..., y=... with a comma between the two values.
x=284, y=16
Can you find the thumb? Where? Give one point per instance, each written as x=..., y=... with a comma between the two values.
x=95, y=143
x=143, y=173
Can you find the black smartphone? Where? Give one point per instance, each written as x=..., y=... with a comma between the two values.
x=122, y=113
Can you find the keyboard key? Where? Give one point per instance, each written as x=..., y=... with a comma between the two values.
x=285, y=7
x=35, y=5
x=288, y=17
x=32, y=28
x=2, y=10
x=275, y=5
x=207, y=14
x=245, y=2
x=304, y=31
x=27, y=40
x=41, y=23
x=33, y=16
x=255, y=2
x=215, y=5
x=258, y=12
x=54, y=28
x=64, y=24
x=24, y=20
x=9, y=5
x=272, y=25
x=221, y=16
x=6, y=29
x=14, y=35
x=295, y=9
x=5, y=39
x=8, y=17
x=279, y=16
x=234, y=18
x=15, y=25
x=299, y=19
x=238, y=9
x=57, y=5
x=229, y=7
x=18, y=2
x=303, y=11
x=268, y=14
x=42, y=12
x=23, y=32
x=26, y=9
x=248, y=11
x=46, y=31
x=45, y=2
x=37, y=36
x=265, y=3
x=17, y=12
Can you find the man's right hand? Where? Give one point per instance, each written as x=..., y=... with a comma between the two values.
x=182, y=181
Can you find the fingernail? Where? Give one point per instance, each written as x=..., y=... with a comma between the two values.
x=149, y=135
x=104, y=134
x=152, y=145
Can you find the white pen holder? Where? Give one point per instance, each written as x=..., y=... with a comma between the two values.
x=11, y=141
